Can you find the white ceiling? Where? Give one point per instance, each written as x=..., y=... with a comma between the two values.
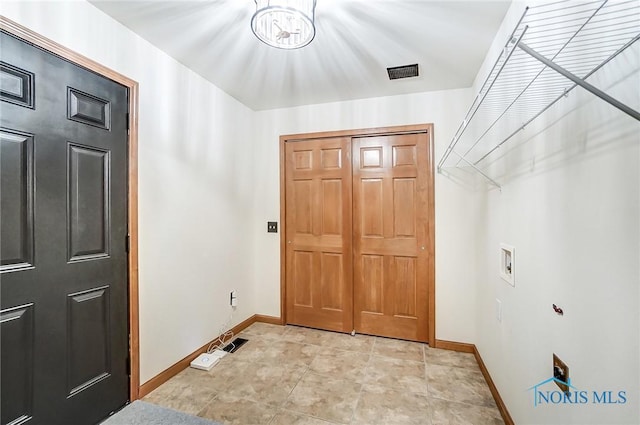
x=356, y=41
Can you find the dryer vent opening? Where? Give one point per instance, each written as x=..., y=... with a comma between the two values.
x=404, y=71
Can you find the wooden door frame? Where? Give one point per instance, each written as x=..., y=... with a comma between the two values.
x=57, y=49
x=367, y=132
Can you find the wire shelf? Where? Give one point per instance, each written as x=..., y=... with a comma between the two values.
x=580, y=37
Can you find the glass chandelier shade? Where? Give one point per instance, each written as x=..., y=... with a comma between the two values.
x=285, y=24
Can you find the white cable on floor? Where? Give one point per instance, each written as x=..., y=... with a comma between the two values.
x=224, y=337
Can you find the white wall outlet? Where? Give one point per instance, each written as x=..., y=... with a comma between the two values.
x=498, y=310
x=233, y=299
x=508, y=264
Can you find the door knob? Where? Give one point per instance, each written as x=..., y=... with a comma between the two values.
x=422, y=248
x=288, y=241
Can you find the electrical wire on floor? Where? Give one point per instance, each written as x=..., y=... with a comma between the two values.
x=223, y=337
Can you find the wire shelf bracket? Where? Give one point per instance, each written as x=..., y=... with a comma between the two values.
x=552, y=50
x=579, y=81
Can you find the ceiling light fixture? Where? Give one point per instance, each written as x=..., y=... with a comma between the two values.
x=285, y=24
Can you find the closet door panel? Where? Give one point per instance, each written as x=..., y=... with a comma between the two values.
x=392, y=246
x=319, y=291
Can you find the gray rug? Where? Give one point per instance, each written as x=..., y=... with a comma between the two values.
x=143, y=413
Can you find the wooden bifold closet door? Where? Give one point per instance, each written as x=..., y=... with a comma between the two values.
x=359, y=234
x=318, y=225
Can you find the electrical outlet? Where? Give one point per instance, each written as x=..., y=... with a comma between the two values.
x=507, y=264
x=272, y=227
x=498, y=310
x=561, y=373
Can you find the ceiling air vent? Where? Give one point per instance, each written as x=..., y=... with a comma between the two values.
x=404, y=71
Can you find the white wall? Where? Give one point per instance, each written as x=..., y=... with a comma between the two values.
x=570, y=205
x=195, y=177
x=455, y=289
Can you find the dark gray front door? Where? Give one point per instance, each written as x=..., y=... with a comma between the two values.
x=63, y=227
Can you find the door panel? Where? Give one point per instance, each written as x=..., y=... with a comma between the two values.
x=331, y=281
x=88, y=197
x=16, y=85
x=318, y=225
x=372, y=216
x=393, y=252
x=88, y=339
x=302, y=278
x=16, y=327
x=63, y=154
x=370, y=291
x=16, y=183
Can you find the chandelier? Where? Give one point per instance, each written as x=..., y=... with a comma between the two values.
x=285, y=24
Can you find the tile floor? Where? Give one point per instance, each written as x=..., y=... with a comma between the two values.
x=289, y=375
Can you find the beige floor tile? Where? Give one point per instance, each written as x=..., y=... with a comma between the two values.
x=188, y=399
x=458, y=384
x=164, y=395
x=277, y=352
x=303, y=335
x=170, y=388
x=221, y=376
x=295, y=375
x=342, y=341
x=237, y=411
x=349, y=365
x=359, y=343
x=445, y=412
x=331, y=399
x=265, y=330
x=190, y=390
x=284, y=417
x=395, y=373
x=246, y=334
x=386, y=406
x=267, y=384
x=404, y=350
x=252, y=349
x=294, y=353
x=450, y=358
x=451, y=373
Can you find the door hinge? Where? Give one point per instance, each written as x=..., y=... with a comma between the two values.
x=128, y=365
x=127, y=120
x=126, y=243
